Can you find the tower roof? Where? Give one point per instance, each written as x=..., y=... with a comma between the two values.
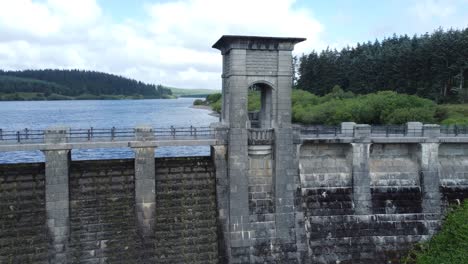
x=228, y=42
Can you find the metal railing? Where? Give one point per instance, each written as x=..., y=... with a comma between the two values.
x=259, y=136
x=184, y=132
x=454, y=130
x=22, y=136
x=256, y=136
x=73, y=135
x=379, y=131
x=100, y=134
x=395, y=131
x=318, y=131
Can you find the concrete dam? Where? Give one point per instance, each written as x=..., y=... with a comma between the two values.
x=270, y=192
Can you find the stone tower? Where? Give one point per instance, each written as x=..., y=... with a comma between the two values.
x=260, y=218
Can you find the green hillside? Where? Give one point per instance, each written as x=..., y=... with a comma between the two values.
x=74, y=84
x=202, y=93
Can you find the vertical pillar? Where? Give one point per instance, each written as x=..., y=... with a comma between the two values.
x=57, y=163
x=429, y=163
x=218, y=155
x=238, y=154
x=361, y=177
x=285, y=172
x=145, y=181
x=430, y=177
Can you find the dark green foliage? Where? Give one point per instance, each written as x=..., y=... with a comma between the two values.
x=376, y=108
x=448, y=246
x=452, y=114
x=199, y=102
x=433, y=66
x=384, y=107
x=75, y=83
x=216, y=106
x=253, y=103
x=213, y=98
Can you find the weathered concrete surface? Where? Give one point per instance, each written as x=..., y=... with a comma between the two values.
x=186, y=229
x=57, y=203
x=453, y=160
x=145, y=182
x=103, y=223
x=23, y=218
x=388, y=218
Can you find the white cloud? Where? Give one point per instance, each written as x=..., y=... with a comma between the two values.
x=171, y=45
x=429, y=9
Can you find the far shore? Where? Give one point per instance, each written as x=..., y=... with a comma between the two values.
x=206, y=107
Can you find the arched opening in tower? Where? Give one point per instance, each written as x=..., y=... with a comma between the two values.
x=260, y=105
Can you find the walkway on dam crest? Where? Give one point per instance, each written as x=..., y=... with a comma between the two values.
x=146, y=136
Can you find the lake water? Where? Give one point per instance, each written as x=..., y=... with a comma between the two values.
x=102, y=114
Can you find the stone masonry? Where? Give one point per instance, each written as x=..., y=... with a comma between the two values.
x=262, y=222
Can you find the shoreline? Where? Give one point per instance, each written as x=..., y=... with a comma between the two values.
x=205, y=107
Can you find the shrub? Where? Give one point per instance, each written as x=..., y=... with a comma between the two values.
x=254, y=103
x=456, y=121
x=198, y=102
x=213, y=98
x=404, y=115
x=449, y=245
x=216, y=106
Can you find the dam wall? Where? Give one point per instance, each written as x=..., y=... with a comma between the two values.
x=335, y=219
x=103, y=225
x=336, y=227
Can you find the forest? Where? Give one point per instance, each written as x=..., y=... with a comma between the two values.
x=433, y=66
x=393, y=81
x=74, y=84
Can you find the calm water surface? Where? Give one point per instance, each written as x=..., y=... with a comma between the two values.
x=102, y=114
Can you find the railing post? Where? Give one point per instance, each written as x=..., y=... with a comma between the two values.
x=346, y=127
x=415, y=127
x=173, y=132
x=57, y=163
x=18, y=136
x=362, y=131
x=112, y=133
x=1, y=134
x=220, y=131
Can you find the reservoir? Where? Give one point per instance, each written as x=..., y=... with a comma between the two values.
x=159, y=113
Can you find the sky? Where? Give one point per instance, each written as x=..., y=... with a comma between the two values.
x=169, y=42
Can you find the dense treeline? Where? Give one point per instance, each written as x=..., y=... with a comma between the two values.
x=75, y=83
x=433, y=66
